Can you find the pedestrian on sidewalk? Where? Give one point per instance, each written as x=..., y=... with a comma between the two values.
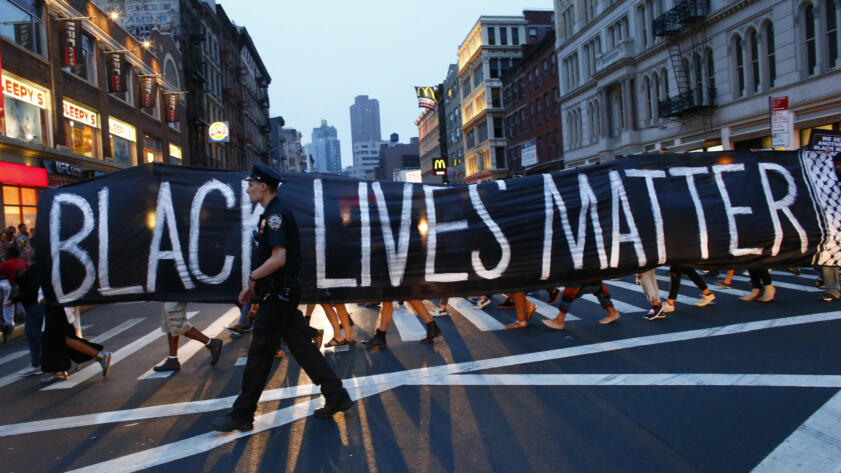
x=573, y=292
x=275, y=281
x=174, y=323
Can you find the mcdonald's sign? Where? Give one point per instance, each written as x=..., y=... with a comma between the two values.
x=439, y=167
x=426, y=97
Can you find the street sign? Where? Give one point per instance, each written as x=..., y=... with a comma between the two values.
x=529, y=154
x=218, y=132
x=780, y=122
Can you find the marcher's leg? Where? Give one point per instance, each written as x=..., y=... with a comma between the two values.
x=756, y=287
x=432, y=330
x=378, y=340
x=706, y=295
x=604, y=299
x=768, y=289
x=674, y=284
x=338, y=337
x=256, y=374
x=831, y=285
x=34, y=321
x=344, y=317
x=525, y=309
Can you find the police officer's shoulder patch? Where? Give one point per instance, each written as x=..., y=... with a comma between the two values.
x=275, y=221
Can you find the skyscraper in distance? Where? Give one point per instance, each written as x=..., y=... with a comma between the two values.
x=365, y=135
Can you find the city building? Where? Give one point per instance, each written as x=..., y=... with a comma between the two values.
x=226, y=80
x=326, y=149
x=286, y=151
x=451, y=99
x=396, y=157
x=532, y=112
x=365, y=135
x=73, y=103
x=432, y=126
x=693, y=75
x=366, y=158
x=489, y=50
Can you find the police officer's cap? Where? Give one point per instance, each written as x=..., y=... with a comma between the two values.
x=262, y=173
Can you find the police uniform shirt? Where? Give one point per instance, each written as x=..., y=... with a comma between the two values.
x=278, y=227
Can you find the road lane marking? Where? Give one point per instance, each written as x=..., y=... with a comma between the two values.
x=408, y=325
x=407, y=377
x=646, y=379
x=814, y=447
x=479, y=318
x=94, y=369
x=7, y=380
x=711, y=287
x=189, y=349
x=663, y=293
x=784, y=285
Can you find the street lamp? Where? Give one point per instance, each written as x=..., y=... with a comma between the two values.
x=115, y=15
x=147, y=44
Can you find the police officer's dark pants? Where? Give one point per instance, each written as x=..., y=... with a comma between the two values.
x=275, y=321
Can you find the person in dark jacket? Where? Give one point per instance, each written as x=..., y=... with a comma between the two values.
x=28, y=285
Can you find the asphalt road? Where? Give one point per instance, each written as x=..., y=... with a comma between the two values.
x=734, y=386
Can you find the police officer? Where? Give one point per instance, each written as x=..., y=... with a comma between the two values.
x=275, y=284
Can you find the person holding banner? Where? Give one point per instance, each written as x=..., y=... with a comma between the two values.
x=274, y=279
x=378, y=340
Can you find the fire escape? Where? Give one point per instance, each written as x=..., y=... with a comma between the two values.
x=685, y=21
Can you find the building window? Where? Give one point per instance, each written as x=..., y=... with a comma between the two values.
x=485, y=158
x=470, y=165
x=174, y=154
x=754, y=60
x=81, y=130
x=515, y=36
x=87, y=63
x=770, y=53
x=589, y=10
x=496, y=102
x=123, y=142
x=809, y=39
x=649, y=108
x=699, y=78
x=27, y=110
x=740, y=66
x=831, y=32
x=494, y=64
x=491, y=35
x=21, y=25
x=503, y=35
x=567, y=21
x=711, y=76
x=20, y=205
x=152, y=150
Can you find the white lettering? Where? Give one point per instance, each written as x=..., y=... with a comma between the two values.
x=322, y=282
x=104, y=246
x=781, y=205
x=71, y=245
x=365, y=235
x=396, y=258
x=165, y=217
x=689, y=173
x=731, y=211
x=617, y=192
x=505, y=257
x=649, y=175
x=250, y=216
x=576, y=246
x=436, y=228
x=195, y=214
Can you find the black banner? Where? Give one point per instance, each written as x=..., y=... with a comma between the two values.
x=72, y=42
x=825, y=141
x=117, y=72
x=171, y=107
x=158, y=232
x=148, y=90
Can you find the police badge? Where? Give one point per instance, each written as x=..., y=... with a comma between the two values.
x=275, y=221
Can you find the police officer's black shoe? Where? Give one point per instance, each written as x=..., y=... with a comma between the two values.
x=171, y=364
x=215, y=347
x=331, y=408
x=228, y=424
x=377, y=341
x=432, y=331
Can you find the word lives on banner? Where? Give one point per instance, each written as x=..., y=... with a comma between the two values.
x=170, y=233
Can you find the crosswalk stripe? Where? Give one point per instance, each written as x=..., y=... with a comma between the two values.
x=9, y=379
x=241, y=361
x=189, y=349
x=479, y=318
x=409, y=326
x=549, y=311
x=636, y=288
x=714, y=288
x=94, y=369
x=622, y=307
x=784, y=285
x=775, y=272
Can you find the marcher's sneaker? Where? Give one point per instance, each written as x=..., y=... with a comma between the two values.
x=482, y=304
x=31, y=371
x=104, y=359
x=215, y=347
x=228, y=424
x=661, y=314
x=171, y=364
x=705, y=299
x=507, y=304
x=554, y=295
x=331, y=408
x=318, y=338
x=828, y=298
x=377, y=341
x=432, y=331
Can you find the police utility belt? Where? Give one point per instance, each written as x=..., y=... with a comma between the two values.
x=278, y=287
